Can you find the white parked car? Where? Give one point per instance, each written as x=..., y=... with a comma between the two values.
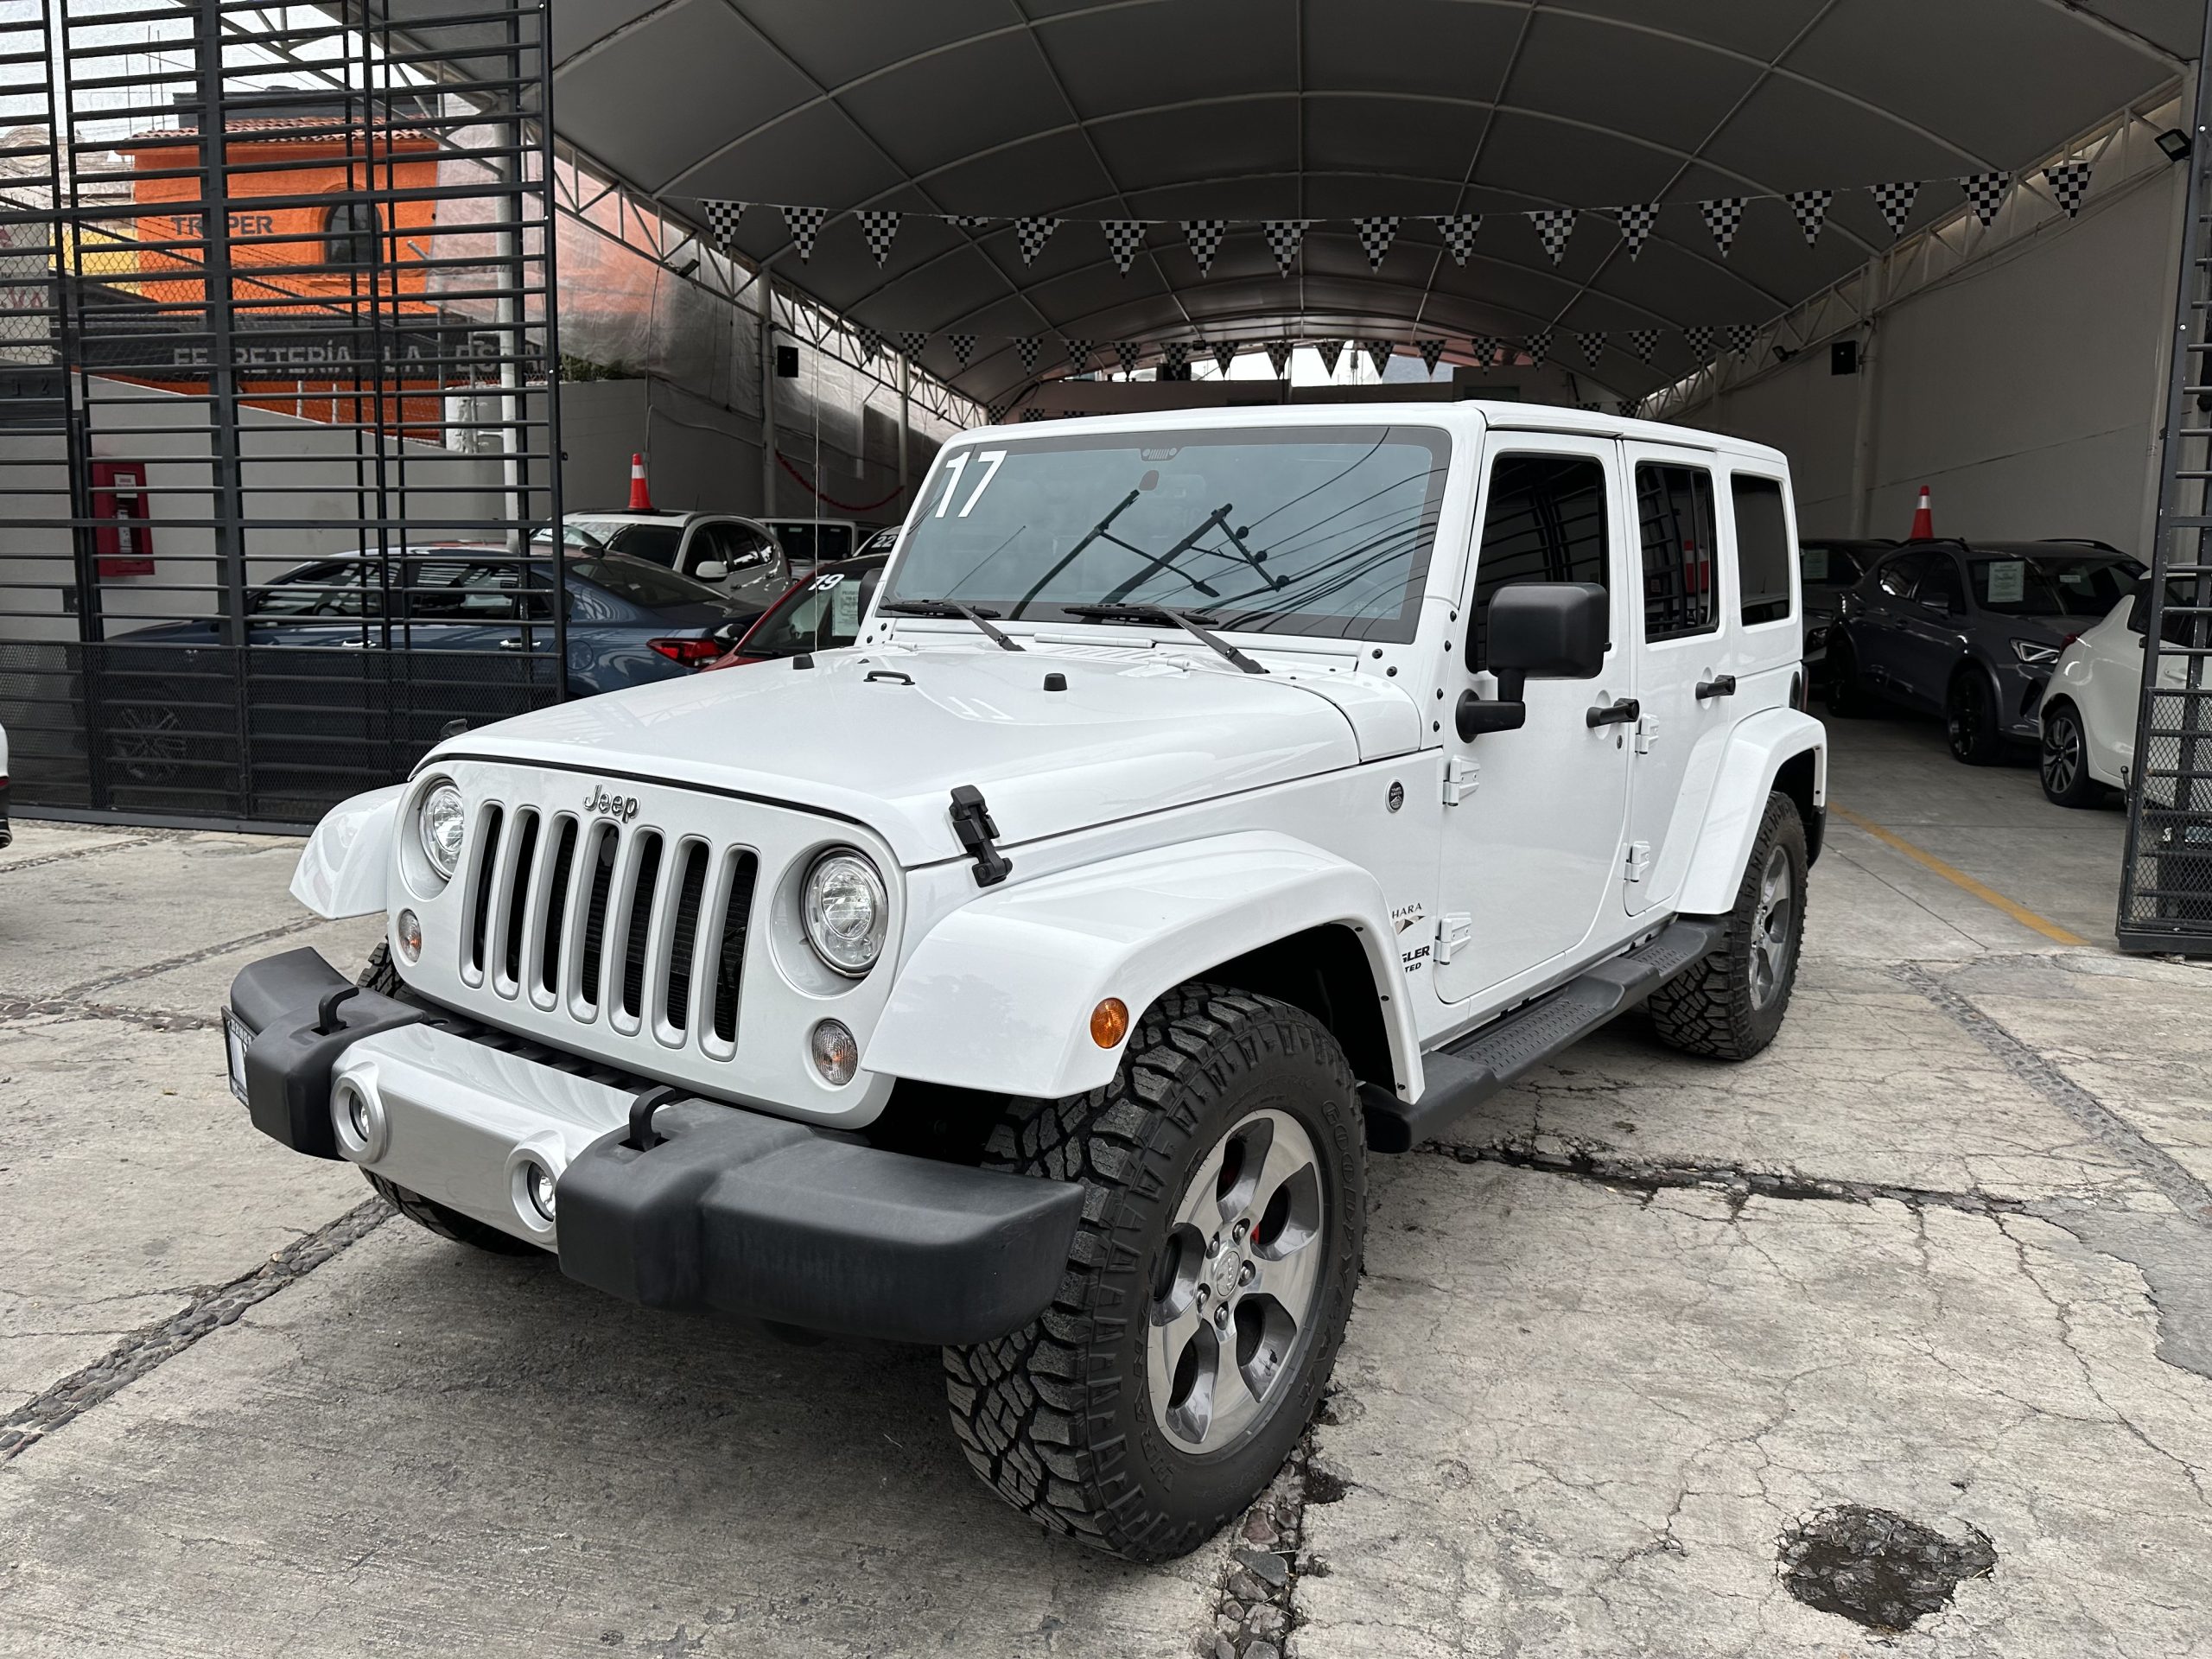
x=1210, y=802
x=738, y=555
x=2089, y=710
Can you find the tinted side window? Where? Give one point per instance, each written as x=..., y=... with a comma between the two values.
x=1546, y=522
x=1762, y=548
x=1902, y=575
x=1939, y=589
x=1674, y=505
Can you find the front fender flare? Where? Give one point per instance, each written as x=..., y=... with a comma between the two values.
x=343, y=870
x=1759, y=748
x=998, y=996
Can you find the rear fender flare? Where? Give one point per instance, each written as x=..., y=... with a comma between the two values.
x=343, y=871
x=998, y=996
x=1757, y=749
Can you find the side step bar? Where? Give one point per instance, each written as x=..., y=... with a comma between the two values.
x=1462, y=1074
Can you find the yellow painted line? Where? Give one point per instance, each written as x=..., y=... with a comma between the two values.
x=1960, y=879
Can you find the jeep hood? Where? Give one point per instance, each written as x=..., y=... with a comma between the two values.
x=883, y=735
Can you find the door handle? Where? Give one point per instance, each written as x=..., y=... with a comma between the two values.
x=510, y=644
x=1721, y=685
x=1613, y=713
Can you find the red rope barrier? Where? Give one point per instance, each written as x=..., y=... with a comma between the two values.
x=831, y=500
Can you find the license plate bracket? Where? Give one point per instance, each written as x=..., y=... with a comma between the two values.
x=235, y=1038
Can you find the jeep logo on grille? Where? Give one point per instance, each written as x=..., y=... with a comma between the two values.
x=621, y=808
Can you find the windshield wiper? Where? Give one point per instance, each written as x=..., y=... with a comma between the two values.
x=951, y=608
x=1183, y=620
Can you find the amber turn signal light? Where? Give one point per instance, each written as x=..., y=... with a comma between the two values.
x=1109, y=1022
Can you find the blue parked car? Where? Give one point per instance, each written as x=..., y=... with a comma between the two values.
x=372, y=650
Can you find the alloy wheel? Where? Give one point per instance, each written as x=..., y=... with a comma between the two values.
x=1772, y=922
x=1239, y=1278
x=2061, y=753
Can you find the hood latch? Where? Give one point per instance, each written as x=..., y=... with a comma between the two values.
x=971, y=822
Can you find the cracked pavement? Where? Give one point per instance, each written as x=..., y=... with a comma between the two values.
x=1945, y=1252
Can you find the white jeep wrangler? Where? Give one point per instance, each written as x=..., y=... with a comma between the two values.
x=1210, y=802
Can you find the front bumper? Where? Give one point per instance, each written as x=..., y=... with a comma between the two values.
x=725, y=1209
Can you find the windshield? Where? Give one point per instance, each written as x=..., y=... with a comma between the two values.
x=821, y=616
x=1294, y=530
x=806, y=542
x=646, y=584
x=2052, y=584
x=1829, y=567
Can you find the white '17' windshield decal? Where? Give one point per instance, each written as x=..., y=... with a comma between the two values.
x=992, y=460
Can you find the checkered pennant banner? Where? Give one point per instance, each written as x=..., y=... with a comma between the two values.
x=1279, y=352
x=1740, y=336
x=997, y=407
x=963, y=348
x=969, y=221
x=804, y=224
x=1129, y=351
x=1984, y=191
x=1539, y=347
x=1459, y=232
x=1487, y=351
x=1204, y=236
x=721, y=221
x=1628, y=406
x=1593, y=348
x=1701, y=342
x=1811, y=208
x=870, y=341
x=1644, y=342
x=1553, y=226
x=913, y=344
x=1078, y=353
x=1025, y=349
x=1036, y=415
x=1723, y=214
x=1895, y=202
x=1331, y=350
x=1590, y=408
x=879, y=226
x=1378, y=352
x=1376, y=235
x=1032, y=234
x=1284, y=237
x=2070, y=183
x=1637, y=220
x=1224, y=353
x=1123, y=238
x=1176, y=354
x=1432, y=354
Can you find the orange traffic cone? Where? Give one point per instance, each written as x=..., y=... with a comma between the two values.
x=642, y=502
x=1924, y=519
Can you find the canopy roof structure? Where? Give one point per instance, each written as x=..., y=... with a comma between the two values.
x=1331, y=110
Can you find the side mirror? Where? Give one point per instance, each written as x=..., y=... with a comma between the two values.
x=1541, y=630
x=709, y=571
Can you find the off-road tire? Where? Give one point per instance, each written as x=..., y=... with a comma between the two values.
x=1058, y=1417
x=1708, y=1008
x=1847, y=699
x=427, y=1213
x=1970, y=720
x=2062, y=729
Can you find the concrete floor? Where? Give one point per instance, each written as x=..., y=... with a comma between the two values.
x=1944, y=1251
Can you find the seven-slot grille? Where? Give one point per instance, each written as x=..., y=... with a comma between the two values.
x=642, y=929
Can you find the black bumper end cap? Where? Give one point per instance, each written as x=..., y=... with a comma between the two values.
x=289, y=1061
x=759, y=1219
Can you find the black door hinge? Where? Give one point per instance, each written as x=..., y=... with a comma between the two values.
x=971, y=822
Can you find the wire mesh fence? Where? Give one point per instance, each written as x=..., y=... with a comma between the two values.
x=278, y=413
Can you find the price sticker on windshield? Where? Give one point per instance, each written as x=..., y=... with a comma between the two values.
x=1815, y=560
x=2008, y=582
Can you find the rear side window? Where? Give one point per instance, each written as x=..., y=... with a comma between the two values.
x=1761, y=547
x=1674, y=507
x=1546, y=522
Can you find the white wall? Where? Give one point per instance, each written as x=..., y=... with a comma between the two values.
x=2026, y=389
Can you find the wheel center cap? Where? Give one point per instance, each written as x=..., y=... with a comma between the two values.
x=1224, y=1276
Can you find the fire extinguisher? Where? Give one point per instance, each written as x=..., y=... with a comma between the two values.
x=122, y=539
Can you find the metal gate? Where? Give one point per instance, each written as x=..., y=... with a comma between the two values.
x=2165, y=890
x=279, y=409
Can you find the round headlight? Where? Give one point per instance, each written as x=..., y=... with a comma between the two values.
x=440, y=825
x=846, y=912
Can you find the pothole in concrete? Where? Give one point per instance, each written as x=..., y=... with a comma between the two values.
x=1877, y=1568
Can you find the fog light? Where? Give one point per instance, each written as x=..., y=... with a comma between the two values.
x=836, y=1056
x=357, y=1119
x=408, y=930
x=538, y=1188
